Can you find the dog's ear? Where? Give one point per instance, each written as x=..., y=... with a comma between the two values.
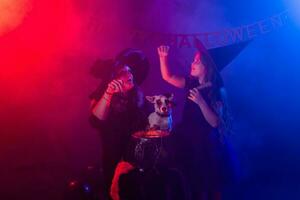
x=151, y=99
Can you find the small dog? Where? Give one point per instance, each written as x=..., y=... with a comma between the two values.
x=161, y=118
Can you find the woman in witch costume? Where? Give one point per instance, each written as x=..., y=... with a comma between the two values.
x=117, y=108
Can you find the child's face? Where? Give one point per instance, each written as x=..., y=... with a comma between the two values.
x=197, y=67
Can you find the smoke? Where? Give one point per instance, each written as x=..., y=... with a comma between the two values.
x=13, y=13
x=48, y=47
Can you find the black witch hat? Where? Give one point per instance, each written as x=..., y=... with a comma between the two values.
x=222, y=56
x=134, y=58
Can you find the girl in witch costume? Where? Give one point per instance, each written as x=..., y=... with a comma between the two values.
x=201, y=146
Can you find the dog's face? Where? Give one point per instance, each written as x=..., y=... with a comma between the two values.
x=162, y=103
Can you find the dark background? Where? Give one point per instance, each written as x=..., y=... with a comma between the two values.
x=48, y=47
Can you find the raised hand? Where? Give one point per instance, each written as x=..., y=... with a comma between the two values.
x=163, y=51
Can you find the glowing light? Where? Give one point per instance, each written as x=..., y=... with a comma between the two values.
x=293, y=8
x=73, y=184
x=86, y=188
x=12, y=14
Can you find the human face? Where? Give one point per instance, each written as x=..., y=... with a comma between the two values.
x=125, y=75
x=197, y=67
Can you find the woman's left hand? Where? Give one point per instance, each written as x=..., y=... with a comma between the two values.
x=196, y=96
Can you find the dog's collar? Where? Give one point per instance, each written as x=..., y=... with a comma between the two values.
x=163, y=115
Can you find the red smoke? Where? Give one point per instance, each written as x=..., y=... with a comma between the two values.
x=32, y=34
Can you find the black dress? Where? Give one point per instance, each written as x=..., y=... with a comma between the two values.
x=202, y=157
x=126, y=116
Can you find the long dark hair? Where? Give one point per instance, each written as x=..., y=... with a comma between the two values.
x=217, y=94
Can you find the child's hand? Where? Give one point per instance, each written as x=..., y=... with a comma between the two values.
x=196, y=96
x=163, y=51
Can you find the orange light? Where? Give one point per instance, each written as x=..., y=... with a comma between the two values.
x=12, y=13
